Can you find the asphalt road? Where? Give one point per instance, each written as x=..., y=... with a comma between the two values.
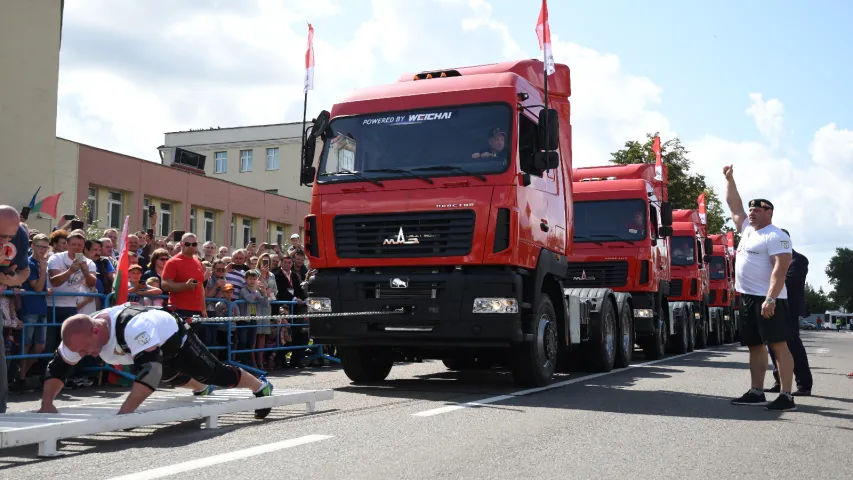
x=671, y=419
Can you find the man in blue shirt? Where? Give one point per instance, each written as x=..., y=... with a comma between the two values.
x=795, y=283
x=14, y=270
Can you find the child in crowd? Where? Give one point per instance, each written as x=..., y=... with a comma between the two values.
x=257, y=304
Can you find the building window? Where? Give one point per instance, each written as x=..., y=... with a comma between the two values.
x=279, y=234
x=114, y=206
x=192, y=220
x=272, y=159
x=92, y=202
x=221, y=163
x=146, y=220
x=208, y=226
x=165, y=219
x=233, y=233
x=245, y=160
x=247, y=231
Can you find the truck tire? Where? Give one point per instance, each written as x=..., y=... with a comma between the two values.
x=366, y=364
x=681, y=342
x=534, y=362
x=702, y=328
x=625, y=337
x=654, y=348
x=729, y=330
x=601, y=348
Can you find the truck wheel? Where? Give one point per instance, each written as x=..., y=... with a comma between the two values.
x=654, y=348
x=625, y=344
x=534, y=362
x=702, y=329
x=366, y=364
x=681, y=340
x=601, y=348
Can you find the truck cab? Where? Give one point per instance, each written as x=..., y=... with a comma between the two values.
x=441, y=220
x=623, y=221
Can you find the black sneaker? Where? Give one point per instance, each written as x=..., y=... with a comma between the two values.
x=265, y=391
x=774, y=389
x=783, y=403
x=752, y=397
x=801, y=392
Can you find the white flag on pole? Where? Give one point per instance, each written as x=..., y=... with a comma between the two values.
x=543, y=31
x=309, y=61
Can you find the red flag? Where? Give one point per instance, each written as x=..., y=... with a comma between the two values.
x=702, y=212
x=47, y=205
x=120, y=282
x=658, y=161
x=730, y=239
x=543, y=31
x=309, y=61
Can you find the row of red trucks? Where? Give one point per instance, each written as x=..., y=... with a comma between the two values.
x=447, y=222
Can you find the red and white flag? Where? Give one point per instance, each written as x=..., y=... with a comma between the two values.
x=309, y=61
x=730, y=239
x=543, y=31
x=702, y=212
x=658, y=160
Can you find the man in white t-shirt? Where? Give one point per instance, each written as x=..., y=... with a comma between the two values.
x=69, y=272
x=162, y=347
x=761, y=266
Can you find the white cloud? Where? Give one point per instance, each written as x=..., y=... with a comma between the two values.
x=768, y=117
x=131, y=71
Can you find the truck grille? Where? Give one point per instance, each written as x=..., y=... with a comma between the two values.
x=416, y=290
x=675, y=287
x=405, y=235
x=600, y=274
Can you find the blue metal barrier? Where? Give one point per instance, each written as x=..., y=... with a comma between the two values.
x=231, y=328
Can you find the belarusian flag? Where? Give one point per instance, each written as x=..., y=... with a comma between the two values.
x=120, y=282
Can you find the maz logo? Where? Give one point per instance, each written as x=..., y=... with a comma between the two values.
x=583, y=276
x=401, y=239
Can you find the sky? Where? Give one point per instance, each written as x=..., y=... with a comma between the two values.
x=762, y=85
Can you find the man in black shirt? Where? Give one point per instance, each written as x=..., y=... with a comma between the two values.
x=795, y=283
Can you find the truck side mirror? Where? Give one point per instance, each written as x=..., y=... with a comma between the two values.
x=706, y=259
x=664, y=232
x=318, y=127
x=709, y=248
x=549, y=122
x=666, y=214
x=545, y=161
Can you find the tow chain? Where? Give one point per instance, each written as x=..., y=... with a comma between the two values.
x=197, y=318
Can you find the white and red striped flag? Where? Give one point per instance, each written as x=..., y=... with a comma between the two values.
x=309, y=61
x=658, y=160
x=702, y=212
x=543, y=31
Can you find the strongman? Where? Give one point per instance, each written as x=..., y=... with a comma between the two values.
x=161, y=346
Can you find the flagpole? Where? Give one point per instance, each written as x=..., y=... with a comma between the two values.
x=304, y=118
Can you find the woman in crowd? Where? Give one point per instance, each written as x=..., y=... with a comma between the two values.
x=158, y=261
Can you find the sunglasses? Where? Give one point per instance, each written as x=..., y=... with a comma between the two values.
x=188, y=244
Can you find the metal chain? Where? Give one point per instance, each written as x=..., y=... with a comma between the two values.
x=197, y=318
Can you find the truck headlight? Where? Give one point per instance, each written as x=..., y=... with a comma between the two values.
x=725, y=317
x=319, y=305
x=697, y=315
x=643, y=313
x=495, y=305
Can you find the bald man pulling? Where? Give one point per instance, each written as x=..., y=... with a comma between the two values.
x=159, y=344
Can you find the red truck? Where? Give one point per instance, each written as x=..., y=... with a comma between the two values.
x=623, y=221
x=689, y=289
x=441, y=224
x=723, y=301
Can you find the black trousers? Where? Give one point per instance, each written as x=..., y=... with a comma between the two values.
x=802, y=371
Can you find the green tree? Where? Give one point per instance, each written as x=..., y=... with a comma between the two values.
x=817, y=301
x=684, y=187
x=840, y=273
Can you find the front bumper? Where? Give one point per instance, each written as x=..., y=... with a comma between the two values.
x=437, y=302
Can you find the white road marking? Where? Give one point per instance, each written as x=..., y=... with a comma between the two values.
x=221, y=458
x=520, y=393
x=822, y=350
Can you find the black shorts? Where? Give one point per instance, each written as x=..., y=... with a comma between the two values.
x=757, y=330
x=194, y=360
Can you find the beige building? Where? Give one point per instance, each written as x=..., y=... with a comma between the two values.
x=30, y=32
x=265, y=157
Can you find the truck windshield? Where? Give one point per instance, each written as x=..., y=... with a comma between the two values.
x=683, y=251
x=610, y=220
x=472, y=138
x=718, y=268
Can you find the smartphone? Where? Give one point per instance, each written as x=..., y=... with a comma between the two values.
x=68, y=218
x=151, y=232
x=253, y=240
x=25, y=213
x=265, y=263
x=76, y=224
x=152, y=210
x=178, y=234
x=79, y=257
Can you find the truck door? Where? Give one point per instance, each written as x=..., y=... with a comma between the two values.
x=542, y=212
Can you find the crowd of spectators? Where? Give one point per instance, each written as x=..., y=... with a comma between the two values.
x=73, y=261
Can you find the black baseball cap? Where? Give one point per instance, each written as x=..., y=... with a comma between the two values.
x=760, y=203
x=498, y=131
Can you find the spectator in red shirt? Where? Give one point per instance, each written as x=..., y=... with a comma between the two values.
x=183, y=278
